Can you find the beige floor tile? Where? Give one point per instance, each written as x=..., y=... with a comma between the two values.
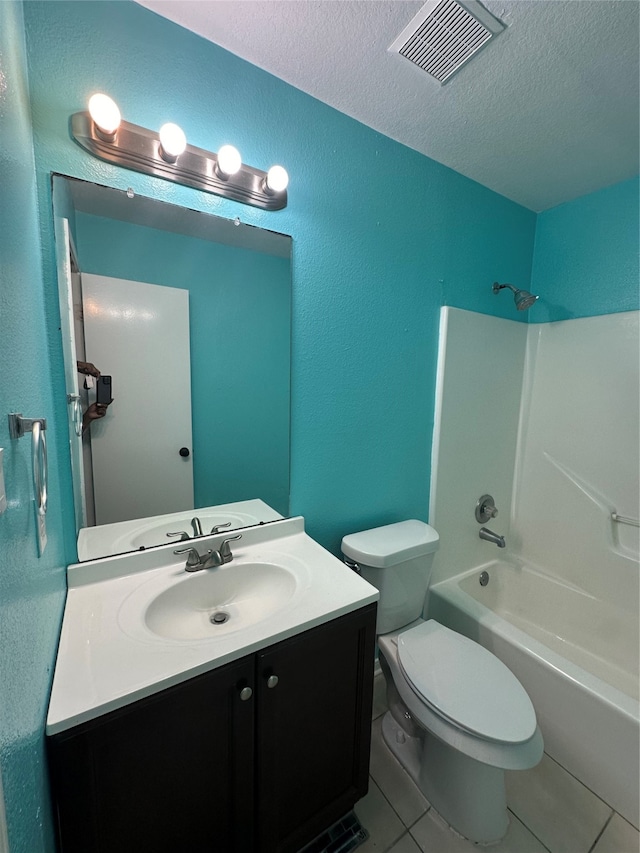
x=434, y=836
x=394, y=782
x=405, y=845
x=379, y=819
x=379, y=696
x=619, y=837
x=565, y=815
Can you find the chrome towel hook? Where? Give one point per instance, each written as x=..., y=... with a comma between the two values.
x=19, y=426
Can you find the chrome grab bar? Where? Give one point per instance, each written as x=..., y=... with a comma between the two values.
x=40, y=467
x=623, y=519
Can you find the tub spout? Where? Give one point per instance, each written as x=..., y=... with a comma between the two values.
x=490, y=536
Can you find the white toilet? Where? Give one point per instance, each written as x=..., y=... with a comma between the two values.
x=458, y=717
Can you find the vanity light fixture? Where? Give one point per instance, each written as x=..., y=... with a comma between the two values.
x=105, y=115
x=172, y=142
x=101, y=131
x=276, y=181
x=229, y=162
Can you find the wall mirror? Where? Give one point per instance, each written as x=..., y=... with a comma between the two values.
x=187, y=317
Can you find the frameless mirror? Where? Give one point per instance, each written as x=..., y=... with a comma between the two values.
x=187, y=318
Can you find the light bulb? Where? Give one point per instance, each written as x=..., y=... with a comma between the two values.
x=105, y=114
x=172, y=142
x=277, y=179
x=229, y=160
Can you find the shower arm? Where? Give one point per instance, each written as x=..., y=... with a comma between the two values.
x=497, y=287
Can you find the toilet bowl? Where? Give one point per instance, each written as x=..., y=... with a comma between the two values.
x=458, y=717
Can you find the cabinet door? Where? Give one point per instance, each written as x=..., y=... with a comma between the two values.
x=170, y=773
x=314, y=730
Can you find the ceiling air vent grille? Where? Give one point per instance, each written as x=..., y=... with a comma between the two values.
x=445, y=34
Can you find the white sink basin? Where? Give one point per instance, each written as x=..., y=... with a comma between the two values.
x=172, y=605
x=214, y=602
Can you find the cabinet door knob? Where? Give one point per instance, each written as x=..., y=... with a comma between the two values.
x=272, y=681
x=246, y=693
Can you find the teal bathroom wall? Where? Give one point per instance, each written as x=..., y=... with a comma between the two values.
x=586, y=255
x=31, y=587
x=239, y=317
x=382, y=236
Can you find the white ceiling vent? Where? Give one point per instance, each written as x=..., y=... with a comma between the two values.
x=445, y=34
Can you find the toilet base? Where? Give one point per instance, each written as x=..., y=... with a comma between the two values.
x=469, y=795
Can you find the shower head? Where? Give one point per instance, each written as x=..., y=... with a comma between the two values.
x=522, y=298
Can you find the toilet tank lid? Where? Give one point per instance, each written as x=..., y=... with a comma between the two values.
x=391, y=544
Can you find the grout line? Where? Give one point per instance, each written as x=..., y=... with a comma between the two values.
x=599, y=835
x=529, y=830
x=579, y=781
x=387, y=799
x=397, y=841
x=612, y=811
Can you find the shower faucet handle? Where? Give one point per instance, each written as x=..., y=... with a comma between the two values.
x=485, y=509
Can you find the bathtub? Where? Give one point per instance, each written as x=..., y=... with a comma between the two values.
x=576, y=657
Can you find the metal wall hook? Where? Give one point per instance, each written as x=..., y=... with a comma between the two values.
x=19, y=426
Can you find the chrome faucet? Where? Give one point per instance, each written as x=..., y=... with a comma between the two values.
x=490, y=536
x=197, y=527
x=212, y=559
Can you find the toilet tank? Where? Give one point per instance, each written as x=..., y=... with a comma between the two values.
x=397, y=559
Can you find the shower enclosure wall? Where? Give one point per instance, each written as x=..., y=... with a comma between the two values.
x=546, y=421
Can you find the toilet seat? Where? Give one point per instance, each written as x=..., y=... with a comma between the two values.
x=465, y=683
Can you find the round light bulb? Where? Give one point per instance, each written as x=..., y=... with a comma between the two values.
x=105, y=113
x=277, y=179
x=229, y=160
x=172, y=141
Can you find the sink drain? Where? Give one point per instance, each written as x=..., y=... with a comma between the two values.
x=219, y=618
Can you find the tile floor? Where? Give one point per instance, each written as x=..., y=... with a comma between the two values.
x=549, y=810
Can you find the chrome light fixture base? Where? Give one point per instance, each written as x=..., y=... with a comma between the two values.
x=139, y=149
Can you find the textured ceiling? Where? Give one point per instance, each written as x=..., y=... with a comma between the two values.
x=546, y=113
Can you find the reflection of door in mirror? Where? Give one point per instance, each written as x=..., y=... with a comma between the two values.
x=238, y=279
x=138, y=334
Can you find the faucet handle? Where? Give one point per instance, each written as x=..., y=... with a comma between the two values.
x=184, y=536
x=485, y=509
x=193, y=559
x=218, y=527
x=225, y=550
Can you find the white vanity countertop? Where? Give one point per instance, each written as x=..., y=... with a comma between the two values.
x=108, y=657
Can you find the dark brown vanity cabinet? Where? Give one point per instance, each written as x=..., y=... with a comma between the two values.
x=257, y=756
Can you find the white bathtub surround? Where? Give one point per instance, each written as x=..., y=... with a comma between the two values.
x=479, y=382
x=578, y=456
x=564, y=613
